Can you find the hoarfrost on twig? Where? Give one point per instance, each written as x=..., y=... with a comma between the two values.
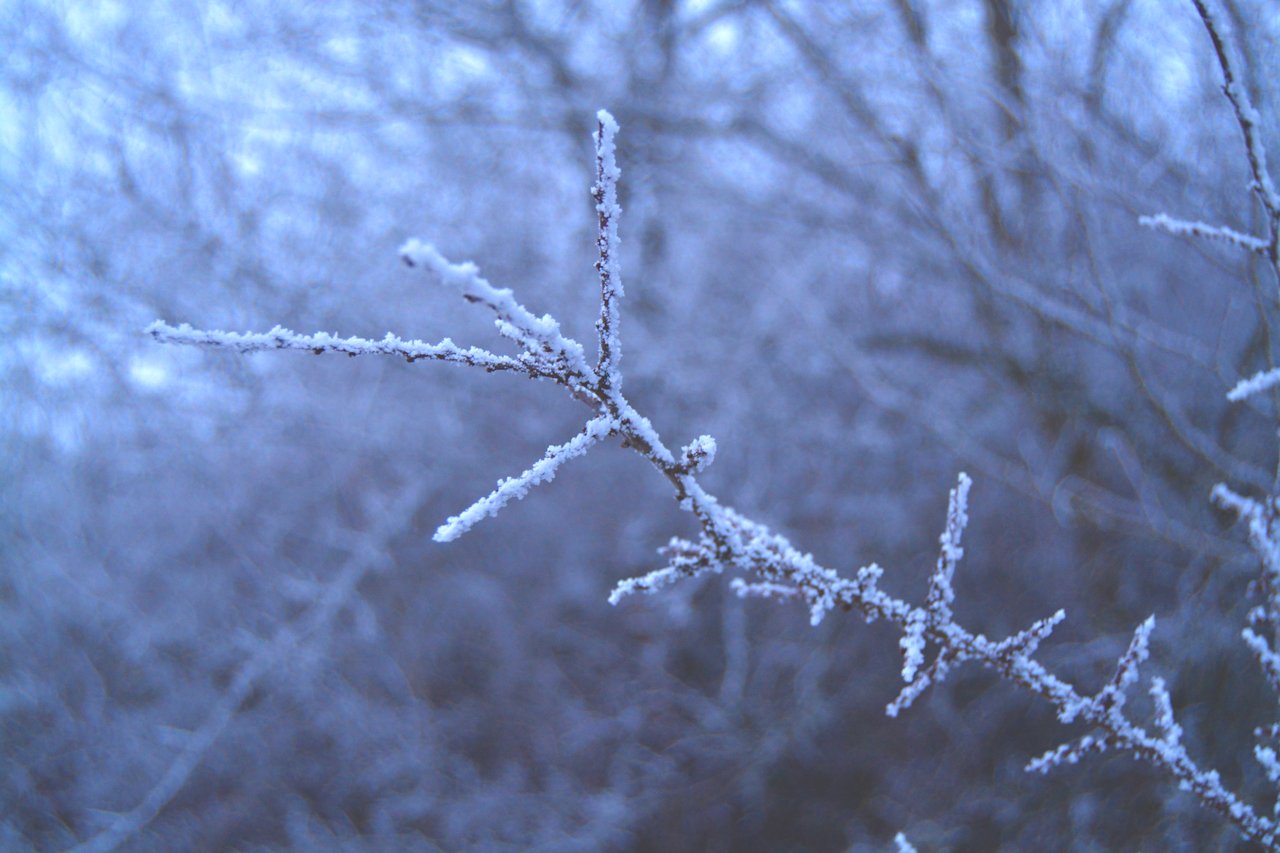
x=515, y=488
x=729, y=540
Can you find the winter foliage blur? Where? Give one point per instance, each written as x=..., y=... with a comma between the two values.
x=867, y=246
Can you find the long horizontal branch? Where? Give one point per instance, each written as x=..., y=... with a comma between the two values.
x=320, y=343
x=1187, y=228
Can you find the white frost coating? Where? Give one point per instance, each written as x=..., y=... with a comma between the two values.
x=607, y=178
x=912, y=644
x=941, y=593
x=1027, y=641
x=1250, y=123
x=641, y=426
x=1186, y=228
x=538, y=335
x=869, y=575
x=1112, y=697
x=282, y=338
x=1270, y=764
x=1071, y=753
x=542, y=471
x=697, y=455
x=608, y=211
x=1139, y=651
x=732, y=540
x=658, y=579
x=1164, y=720
x=913, y=691
x=464, y=278
x=1247, y=508
x=763, y=589
x=957, y=520
x=1255, y=384
x=904, y=846
x=648, y=584
x=688, y=560
x=1264, y=539
x=1267, y=658
x=727, y=539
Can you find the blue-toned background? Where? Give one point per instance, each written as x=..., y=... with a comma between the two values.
x=866, y=246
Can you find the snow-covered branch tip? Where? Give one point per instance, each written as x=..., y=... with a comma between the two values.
x=941, y=595
x=1111, y=698
x=1256, y=384
x=542, y=471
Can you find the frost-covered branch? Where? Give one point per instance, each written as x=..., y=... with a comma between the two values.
x=727, y=540
x=605, y=193
x=1168, y=727
x=1255, y=384
x=1262, y=185
x=941, y=594
x=1262, y=516
x=1261, y=636
x=753, y=549
x=1183, y=228
x=1263, y=520
x=322, y=342
x=1247, y=117
x=539, y=337
x=542, y=471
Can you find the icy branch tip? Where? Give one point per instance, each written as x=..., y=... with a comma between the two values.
x=1159, y=220
x=515, y=488
x=464, y=276
x=607, y=122
x=606, y=150
x=163, y=332
x=698, y=454
x=1255, y=384
x=958, y=511
x=416, y=253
